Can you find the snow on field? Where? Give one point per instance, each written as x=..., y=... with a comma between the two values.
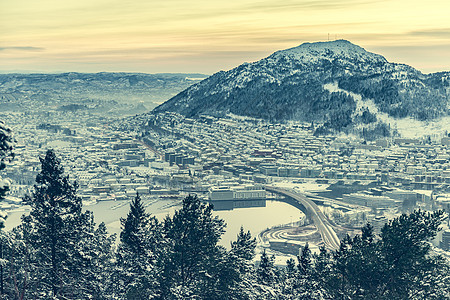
x=407, y=127
x=412, y=128
x=303, y=187
x=360, y=103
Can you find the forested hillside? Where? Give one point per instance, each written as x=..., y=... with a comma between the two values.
x=336, y=83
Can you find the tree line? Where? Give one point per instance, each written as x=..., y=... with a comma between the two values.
x=59, y=252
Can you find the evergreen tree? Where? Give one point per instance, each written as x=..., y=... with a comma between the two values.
x=134, y=226
x=305, y=261
x=411, y=272
x=6, y=155
x=244, y=247
x=358, y=266
x=192, y=257
x=236, y=271
x=267, y=277
x=288, y=279
x=399, y=265
x=93, y=261
x=140, y=243
x=305, y=286
x=52, y=232
x=17, y=268
x=266, y=269
x=290, y=267
x=323, y=271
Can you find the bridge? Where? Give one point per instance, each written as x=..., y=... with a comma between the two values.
x=312, y=211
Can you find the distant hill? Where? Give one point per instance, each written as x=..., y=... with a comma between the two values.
x=336, y=83
x=121, y=92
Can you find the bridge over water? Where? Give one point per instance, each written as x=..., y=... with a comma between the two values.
x=312, y=211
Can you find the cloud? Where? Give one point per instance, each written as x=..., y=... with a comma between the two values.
x=254, y=9
x=437, y=32
x=309, y=5
x=22, y=48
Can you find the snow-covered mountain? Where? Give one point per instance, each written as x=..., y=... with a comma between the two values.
x=122, y=93
x=336, y=82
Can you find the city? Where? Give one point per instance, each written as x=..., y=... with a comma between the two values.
x=232, y=162
x=225, y=150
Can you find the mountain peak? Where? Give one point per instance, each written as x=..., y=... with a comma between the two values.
x=330, y=49
x=337, y=44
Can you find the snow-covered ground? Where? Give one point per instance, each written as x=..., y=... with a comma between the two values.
x=407, y=127
x=305, y=187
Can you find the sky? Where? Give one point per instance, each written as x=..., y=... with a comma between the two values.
x=206, y=36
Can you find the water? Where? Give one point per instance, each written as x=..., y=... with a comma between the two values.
x=108, y=212
x=254, y=219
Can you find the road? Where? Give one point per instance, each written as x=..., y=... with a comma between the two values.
x=157, y=153
x=326, y=231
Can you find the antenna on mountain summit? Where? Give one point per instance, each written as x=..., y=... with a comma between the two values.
x=328, y=36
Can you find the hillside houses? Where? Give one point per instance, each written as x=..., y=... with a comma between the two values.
x=257, y=148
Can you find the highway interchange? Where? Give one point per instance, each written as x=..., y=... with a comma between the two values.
x=329, y=236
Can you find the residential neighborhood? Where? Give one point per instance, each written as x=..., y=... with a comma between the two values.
x=228, y=162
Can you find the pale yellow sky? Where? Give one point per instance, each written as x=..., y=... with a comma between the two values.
x=206, y=36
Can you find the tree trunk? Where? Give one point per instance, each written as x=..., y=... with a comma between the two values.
x=53, y=239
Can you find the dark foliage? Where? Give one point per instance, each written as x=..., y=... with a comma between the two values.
x=62, y=251
x=192, y=253
x=141, y=245
x=6, y=155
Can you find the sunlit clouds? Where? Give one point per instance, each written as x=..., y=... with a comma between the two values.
x=207, y=36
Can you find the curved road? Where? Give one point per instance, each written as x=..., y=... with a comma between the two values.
x=327, y=232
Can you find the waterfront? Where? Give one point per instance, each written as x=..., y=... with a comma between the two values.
x=255, y=219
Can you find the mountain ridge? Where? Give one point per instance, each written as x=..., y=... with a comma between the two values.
x=106, y=89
